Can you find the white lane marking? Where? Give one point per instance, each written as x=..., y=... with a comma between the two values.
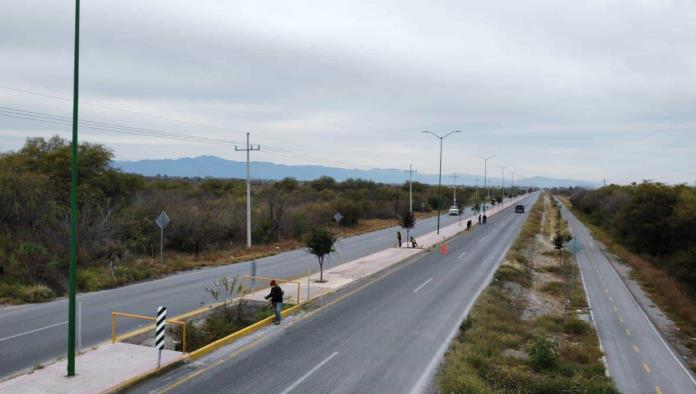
x=592, y=316
x=435, y=361
x=32, y=331
x=308, y=374
x=483, y=238
x=422, y=285
x=461, y=255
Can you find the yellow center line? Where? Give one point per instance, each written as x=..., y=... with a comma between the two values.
x=636, y=348
x=646, y=368
x=628, y=332
x=657, y=390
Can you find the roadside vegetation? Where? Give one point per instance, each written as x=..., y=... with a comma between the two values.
x=652, y=228
x=522, y=335
x=119, y=242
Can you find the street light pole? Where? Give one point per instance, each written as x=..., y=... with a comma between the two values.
x=410, y=187
x=485, y=180
x=502, y=185
x=72, y=270
x=439, y=177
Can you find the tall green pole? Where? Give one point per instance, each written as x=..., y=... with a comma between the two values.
x=73, y=203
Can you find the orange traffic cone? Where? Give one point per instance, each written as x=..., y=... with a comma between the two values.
x=444, y=249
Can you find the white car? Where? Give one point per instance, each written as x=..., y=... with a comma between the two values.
x=453, y=211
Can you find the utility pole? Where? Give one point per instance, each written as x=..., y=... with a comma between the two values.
x=502, y=185
x=485, y=180
x=477, y=202
x=72, y=270
x=410, y=187
x=605, y=182
x=439, y=177
x=248, y=149
x=512, y=181
x=454, y=188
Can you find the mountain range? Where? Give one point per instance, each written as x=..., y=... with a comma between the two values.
x=216, y=167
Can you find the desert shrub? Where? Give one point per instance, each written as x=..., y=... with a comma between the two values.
x=542, y=354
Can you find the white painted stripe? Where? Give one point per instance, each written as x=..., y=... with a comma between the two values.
x=308, y=374
x=461, y=255
x=422, y=285
x=32, y=331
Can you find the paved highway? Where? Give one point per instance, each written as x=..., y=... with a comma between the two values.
x=638, y=358
x=33, y=334
x=388, y=337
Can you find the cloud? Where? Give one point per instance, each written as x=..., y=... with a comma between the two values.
x=586, y=89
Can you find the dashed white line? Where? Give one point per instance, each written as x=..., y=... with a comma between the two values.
x=33, y=331
x=422, y=285
x=308, y=374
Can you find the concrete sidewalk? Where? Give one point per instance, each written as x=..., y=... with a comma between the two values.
x=108, y=365
x=98, y=369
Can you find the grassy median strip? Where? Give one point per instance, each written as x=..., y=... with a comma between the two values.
x=522, y=335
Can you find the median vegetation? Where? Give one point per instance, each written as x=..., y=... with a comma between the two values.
x=119, y=242
x=523, y=335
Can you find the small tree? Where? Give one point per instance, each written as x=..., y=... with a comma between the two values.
x=320, y=242
x=408, y=221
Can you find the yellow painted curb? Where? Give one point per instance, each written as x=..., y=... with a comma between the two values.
x=196, y=354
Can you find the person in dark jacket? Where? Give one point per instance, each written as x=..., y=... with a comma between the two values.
x=398, y=238
x=479, y=219
x=414, y=244
x=485, y=218
x=276, y=298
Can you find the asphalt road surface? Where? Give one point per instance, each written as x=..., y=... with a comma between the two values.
x=33, y=334
x=638, y=358
x=388, y=337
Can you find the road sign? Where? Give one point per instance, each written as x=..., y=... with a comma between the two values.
x=162, y=220
x=159, y=332
x=337, y=217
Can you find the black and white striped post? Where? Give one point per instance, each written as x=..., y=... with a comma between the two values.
x=159, y=332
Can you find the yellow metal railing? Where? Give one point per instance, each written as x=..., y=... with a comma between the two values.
x=277, y=280
x=115, y=338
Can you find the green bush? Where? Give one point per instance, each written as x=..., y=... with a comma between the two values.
x=542, y=354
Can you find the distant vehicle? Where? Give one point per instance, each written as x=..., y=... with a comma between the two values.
x=453, y=211
x=519, y=208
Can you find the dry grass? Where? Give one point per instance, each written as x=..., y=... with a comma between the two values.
x=497, y=348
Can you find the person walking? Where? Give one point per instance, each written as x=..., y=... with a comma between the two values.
x=484, y=219
x=479, y=219
x=398, y=238
x=276, y=299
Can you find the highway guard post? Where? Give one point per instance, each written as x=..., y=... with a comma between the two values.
x=159, y=332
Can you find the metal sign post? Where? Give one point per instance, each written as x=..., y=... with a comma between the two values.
x=159, y=332
x=337, y=218
x=252, y=282
x=162, y=221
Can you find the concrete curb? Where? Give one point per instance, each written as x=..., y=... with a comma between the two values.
x=196, y=354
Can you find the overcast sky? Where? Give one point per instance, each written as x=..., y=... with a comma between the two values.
x=587, y=89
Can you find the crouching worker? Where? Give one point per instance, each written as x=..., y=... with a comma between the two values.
x=414, y=244
x=276, y=299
